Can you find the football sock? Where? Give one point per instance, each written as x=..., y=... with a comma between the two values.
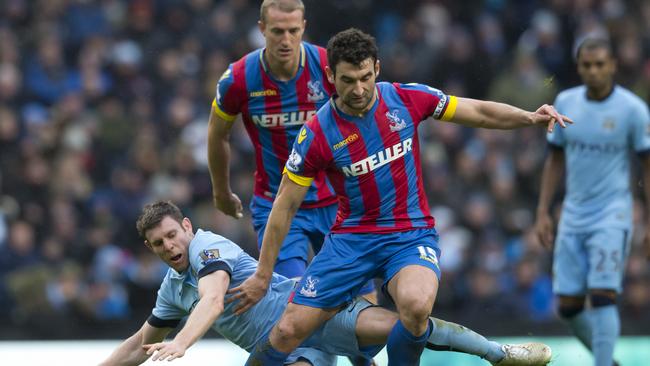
x=580, y=324
x=265, y=355
x=606, y=327
x=448, y=336
x=404, y=348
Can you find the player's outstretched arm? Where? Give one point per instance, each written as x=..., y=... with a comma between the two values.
x=486, y=114
x=551, y=175
x=290, y=196
x=219, y=165
x=131, y=351
x=212, y=290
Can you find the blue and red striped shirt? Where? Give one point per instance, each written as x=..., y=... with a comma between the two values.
x=373, y=161
x=273, y=112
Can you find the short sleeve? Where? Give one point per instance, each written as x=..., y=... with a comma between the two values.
x=305, y=159
x=210, y=252
x=165, y=314
x=427, y=101
x=641, y=131
x=227, y=102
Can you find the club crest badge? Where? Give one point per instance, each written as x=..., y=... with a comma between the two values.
x=309, y=288
x=395, y=123
x=315, y=93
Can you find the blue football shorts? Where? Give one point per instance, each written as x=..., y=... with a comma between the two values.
x=590, y=260
x=315, y=356
x=309, y=225
x=347, y=261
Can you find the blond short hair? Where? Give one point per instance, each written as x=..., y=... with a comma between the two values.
x=285, y=6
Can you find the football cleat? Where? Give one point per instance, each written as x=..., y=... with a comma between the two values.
x=531, y=354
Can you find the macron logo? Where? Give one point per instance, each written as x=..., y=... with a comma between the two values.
x=379, y=159
x=264, y=93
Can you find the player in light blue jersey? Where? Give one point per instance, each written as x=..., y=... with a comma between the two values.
x=595, y=227
x=205, y=265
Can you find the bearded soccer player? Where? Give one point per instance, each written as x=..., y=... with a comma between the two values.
x=365, y=139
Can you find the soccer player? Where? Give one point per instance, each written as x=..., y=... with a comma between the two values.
x=204, y=265
x=595, y=227
x=366, y=141
x=275, y=89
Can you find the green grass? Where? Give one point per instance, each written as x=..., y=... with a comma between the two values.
x=630, y=351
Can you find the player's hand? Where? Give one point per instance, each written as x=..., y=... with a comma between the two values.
x=165, y=350
x=249, y=293
x=548, y=116
x=228, y=203
x=544, y=230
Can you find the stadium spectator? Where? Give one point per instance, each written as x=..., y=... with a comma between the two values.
x=122, y=114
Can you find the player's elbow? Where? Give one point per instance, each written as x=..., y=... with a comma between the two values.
x=293, y=207
x=214, y=300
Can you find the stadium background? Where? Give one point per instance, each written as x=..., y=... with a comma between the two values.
x=104, y=107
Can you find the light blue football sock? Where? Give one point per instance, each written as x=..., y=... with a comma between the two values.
x=606, y=327
x=580, y=324
x=448, y=336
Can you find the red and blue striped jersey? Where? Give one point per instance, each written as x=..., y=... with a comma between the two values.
x=273, y=112
x=372, y=161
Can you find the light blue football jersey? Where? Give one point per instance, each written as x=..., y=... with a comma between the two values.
x=597, y=152
x=178, y=293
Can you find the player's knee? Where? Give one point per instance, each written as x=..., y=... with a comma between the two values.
x=416, y=310
x=602, y=298
x=287, y=332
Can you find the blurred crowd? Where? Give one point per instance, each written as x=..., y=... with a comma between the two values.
x=104, y=107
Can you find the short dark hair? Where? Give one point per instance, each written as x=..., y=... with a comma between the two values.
x=153, y=213
x=593, y=44
x=352, y=46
